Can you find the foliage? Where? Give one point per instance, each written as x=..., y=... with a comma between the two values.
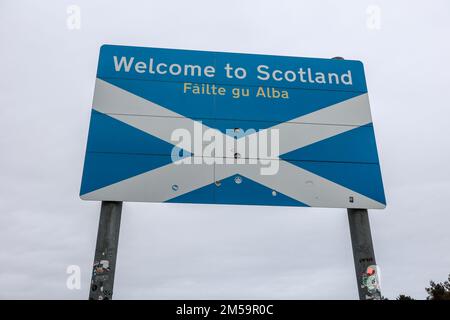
x=439, y=291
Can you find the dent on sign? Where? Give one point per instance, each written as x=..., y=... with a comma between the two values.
x=326, y=155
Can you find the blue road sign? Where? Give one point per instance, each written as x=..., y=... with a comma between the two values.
x=225, y=128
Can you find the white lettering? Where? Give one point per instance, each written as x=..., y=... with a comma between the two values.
x=123, y=61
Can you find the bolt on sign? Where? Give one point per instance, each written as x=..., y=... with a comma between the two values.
x=226, y=128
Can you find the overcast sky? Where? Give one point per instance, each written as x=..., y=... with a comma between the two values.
x=200, y=251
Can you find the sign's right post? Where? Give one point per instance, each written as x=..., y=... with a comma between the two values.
x=367, y=276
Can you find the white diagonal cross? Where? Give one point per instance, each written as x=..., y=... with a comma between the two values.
x=293, y=181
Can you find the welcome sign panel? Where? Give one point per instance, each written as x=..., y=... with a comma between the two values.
x=225, y=128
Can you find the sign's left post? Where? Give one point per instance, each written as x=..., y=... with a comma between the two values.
x=104, y=267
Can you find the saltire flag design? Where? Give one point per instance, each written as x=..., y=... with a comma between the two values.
x=328, y=154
